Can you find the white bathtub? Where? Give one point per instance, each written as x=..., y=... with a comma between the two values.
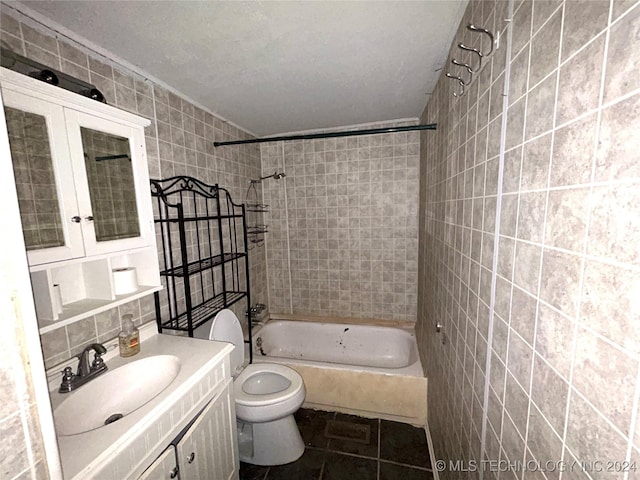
x=366, y=370
x=368, y=348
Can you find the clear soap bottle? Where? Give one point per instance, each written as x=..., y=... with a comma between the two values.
x=129, y=337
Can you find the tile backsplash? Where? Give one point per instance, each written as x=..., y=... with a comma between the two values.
x=343, y=225
x=557, y=314
x=63, y=343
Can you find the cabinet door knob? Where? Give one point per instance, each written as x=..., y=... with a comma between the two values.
x=191, y=457
x=174, y=472
x=76, y=219
x=89, y=218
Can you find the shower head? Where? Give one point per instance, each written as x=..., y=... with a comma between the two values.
x=275, y=175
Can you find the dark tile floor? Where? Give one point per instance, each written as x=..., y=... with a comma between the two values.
x=347, y=447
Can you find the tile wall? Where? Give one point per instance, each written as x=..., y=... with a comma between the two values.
x=22, y=454
x=179, y=142
x=558, y=317
x=343, y=225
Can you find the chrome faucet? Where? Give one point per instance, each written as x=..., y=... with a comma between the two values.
x=86, y=371
x=256, y=311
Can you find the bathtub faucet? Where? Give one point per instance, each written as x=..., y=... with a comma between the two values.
x=256, y=310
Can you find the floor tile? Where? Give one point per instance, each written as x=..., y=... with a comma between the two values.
x=312, y=424
x=307, y=467
x=403, y=443
x=389, y=471
x=345, y=467
x=252, y=472
x=355, y=446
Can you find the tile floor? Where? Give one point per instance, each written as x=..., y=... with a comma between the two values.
x=348, y=447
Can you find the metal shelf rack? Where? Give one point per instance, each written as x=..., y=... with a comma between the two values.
x=204, y=261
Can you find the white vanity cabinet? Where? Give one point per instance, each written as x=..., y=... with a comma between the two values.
x=83, y=189
x=165, y=467
x=207, y=450
x=192, y=419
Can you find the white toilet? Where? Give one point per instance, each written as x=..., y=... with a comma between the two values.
x=266, y=397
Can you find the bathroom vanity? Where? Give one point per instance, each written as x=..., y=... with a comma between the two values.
x=188, y=427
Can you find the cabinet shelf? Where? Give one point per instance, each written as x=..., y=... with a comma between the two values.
x=200, y=265
x=257, y=229
x=257, y=207
x=197, y=219
x=80, y=309
x=203, y=312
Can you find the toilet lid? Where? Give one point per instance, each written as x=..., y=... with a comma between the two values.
x=226, y=328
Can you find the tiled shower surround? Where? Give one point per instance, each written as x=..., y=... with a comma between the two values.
x=557, y=314
x=179, y=142
x=343, y=225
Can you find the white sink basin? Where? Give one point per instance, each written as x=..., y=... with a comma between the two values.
x=115, y=394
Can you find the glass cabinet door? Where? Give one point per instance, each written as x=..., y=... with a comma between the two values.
x=107, y=161
x=41, y=163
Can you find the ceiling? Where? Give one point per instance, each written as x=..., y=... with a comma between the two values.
x=275, y=67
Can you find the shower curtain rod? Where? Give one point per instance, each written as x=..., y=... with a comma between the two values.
x=350, y=133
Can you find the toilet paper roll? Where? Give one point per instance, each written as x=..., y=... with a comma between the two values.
x=57, y=299
x=125, y=280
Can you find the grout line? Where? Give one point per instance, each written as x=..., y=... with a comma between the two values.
x=635, y=422
x=496, y=239
x=432, y=457
x=556, y=71
x=324, y=462
x=510, y=330
x=585, y=241
x=415, y=467
x=286, y=213
x=379, y=443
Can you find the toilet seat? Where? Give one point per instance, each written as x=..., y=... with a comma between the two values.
x=296, y=384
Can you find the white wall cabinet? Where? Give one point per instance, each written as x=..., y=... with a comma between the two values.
x=83, y=189
x=207, y=450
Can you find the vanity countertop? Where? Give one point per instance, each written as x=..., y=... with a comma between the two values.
x=84, y=455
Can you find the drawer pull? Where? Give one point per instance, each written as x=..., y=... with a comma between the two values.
x=174, y=472
x=192, y=457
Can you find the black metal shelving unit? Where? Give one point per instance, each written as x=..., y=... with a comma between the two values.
x=204, y=261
